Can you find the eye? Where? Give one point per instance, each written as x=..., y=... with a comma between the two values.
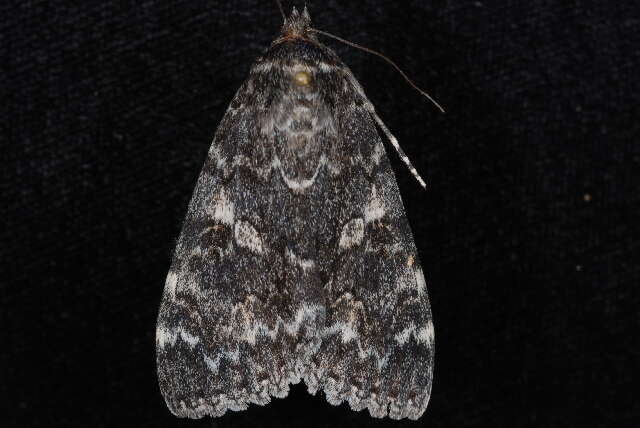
x=302, y=78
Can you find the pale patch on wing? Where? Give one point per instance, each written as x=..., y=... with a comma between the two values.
x=295, y=184
x=346, y=330
x=214, y=363
x=223, y=209
x=165, y=336
x=305, y=312
x=189, y=338
x=421, y=284
x=248, y=329
x=297, y=68
x=375, y=208
x=422, y=335
x=426, y=334
x=170, y=284
x=352, y=234
x=252, y=331
x=322, y=66
x=241, y=160
x=263, y=67
x=248, y=237
x=305, y=264
x=378, y=153
x=216, y=153
x=327, y=68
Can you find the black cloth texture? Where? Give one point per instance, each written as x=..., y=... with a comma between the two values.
x=527, y=231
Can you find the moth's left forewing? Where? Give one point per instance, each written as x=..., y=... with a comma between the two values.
x=378, y=342
x=237, y=320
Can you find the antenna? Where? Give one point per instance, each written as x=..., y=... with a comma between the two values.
x=371, y=51
x=284, y=17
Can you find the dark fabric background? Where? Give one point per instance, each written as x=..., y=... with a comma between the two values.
x=527, y=231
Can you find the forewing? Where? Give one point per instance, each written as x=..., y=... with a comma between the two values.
x=378, y=341
x=234, y=325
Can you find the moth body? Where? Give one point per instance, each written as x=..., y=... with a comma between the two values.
x=296, y=260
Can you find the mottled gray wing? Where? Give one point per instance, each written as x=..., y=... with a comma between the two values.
x=235, y=326
x=378, y=341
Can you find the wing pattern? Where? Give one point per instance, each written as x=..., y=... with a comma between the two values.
x=296, y=259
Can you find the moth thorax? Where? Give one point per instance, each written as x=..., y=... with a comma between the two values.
x=302, y=78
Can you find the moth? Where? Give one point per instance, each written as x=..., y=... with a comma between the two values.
x=296, y=260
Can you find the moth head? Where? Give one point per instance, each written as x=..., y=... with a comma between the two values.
x=297, y=26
